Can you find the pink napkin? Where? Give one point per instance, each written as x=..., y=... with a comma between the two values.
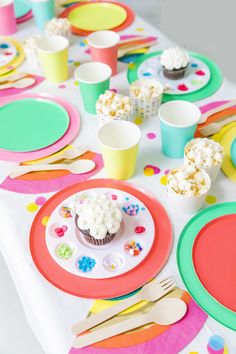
x=13, y=91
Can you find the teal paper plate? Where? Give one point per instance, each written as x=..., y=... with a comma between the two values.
x=233, y=152
x=21, y=8
x=186, y=266
x=31, y=124
x=206, y=91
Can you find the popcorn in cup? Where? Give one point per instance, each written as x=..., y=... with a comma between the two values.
x=112, y=106
x=187, y=187
x=59, y=27
x=206, y=154
x=146, y=96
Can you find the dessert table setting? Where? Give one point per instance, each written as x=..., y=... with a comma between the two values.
x=117, y=182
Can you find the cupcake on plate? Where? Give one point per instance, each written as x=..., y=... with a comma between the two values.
x=98, y=219
x=174, y=62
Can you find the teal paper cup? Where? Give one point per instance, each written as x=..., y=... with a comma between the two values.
x=43, y=11
x=93, y=79
x=178, y=121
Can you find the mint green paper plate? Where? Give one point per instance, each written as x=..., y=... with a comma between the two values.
x=31, y=124
x=186, y=267
x=211, y=87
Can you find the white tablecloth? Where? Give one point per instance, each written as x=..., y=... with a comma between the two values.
x=49, y=311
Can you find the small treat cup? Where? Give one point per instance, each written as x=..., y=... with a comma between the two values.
x=43, y=11
x=53, y=57
x=188, y=204
x=143, y=106
x=94, y=79
x=119, y=142
x=178, y=121
x=7, y=18
x=104, y=48
x=211, y=170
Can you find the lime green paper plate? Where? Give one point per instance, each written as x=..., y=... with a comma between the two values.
x=186, y=267
x=97, y=16
x=31, y=124
x=206, y=91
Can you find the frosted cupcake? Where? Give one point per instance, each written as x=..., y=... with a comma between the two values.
x=174, y=62
x=98, y=219
x=204, y=153
x=187, y=187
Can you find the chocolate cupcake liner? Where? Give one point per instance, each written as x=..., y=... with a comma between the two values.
x=95, y=241
x=175, y=74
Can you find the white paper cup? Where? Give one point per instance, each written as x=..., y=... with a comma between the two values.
x=146, y=107
x=212, y=170
x=103, y=119
x=185, y=204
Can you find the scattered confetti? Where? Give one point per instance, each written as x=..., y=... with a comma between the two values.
x=11, y=67
x=166, y=172
x=113, y=89
x=82, y=44
x=45, y=220
x=61, y=86
x=138, y=120
x=211, y=199
x=140, y=29
x=127, y=198
x=85, y=41
x=76, y=83
x=76, y=63
x=114, y=197
x=215, y=343
x=150, y=170
x=163, y=180
x=147, y=74
x=32, y=207
x=4, y=45
x=151, y=135
x=133, y=248
x=131, y=65
x=86, y=264
x=70, y=61
x=40, y=200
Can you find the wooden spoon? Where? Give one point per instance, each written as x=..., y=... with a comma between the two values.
x=20, y=84
x=164, y=312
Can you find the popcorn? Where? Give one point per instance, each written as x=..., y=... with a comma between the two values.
x=59, y=27
x=111, y=105
x=146, y=89
x=188, y=181
x=203, y=153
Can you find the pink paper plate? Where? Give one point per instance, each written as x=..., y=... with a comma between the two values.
x=24, y=18
x=108, y=287
x=67, y=138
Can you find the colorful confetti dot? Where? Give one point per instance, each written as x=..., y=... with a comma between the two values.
x=193, y=353
x=182, y=87
x=86, y=264
x=45, y=220
x=143, y=209
x=211, y=199
x=133, y=248
x=131, y=65
x=76, y=83
x=62, y=86
x=76, y=63
x=216, y=342
x=4, y=45
x=40, y=200
x=138, y=120
x=82, y=44
x=85, y=41
x=139, y=229
x=194, y=65
x=127, y=198
x=151, y=135
x=114, y=197
x=148, y=171
x=32, y=207
x=163, y=180
x=196, y=82
x=200, y=73
x=140, y=29
x=11, y=67
x=113, y=90
x=70, y=61
x=166, y=172
x=147, y=74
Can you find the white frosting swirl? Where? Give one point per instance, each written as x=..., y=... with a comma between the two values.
x=99, y=214
x=174, y=58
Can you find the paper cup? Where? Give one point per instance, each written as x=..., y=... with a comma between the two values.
x=7, y=18
x=103, y=119
x=185, y=204
x=43, y=11
x=212, y=170
x=104, y=48
x=94, y=79
x=53, y=57
x=119, y=144
x=146, y=107
x=178, y=121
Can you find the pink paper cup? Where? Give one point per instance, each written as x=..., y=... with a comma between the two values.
x=7, y=17
x=104, y=48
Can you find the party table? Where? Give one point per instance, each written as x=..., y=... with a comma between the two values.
x=49, y=311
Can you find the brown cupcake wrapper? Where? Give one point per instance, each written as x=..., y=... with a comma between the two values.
x=95, y=241
x=174, y=74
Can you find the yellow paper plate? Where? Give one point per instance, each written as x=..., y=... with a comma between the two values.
x=225, y=137
x=97, y=16
x=17, y=60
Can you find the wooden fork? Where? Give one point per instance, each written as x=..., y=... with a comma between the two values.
x=215, y=127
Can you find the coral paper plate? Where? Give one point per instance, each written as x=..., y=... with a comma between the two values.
x=206, y=256
x=110, y=287
x=78, y=31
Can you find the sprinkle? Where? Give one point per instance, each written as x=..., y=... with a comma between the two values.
x=147, y=74
x=66, y=212
x=64, y=251
x=86, y=264
x=114, y=197
x=60, y=231
x=40, y=200
x=182, y=87
x=194, y=65
x=32, y=207
x=211, y=199
x=133, y=248
x=200, y=73
x=139, y=229
x=131, y=209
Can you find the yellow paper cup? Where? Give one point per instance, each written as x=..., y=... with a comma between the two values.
x=53, y=57
x=119, y=144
